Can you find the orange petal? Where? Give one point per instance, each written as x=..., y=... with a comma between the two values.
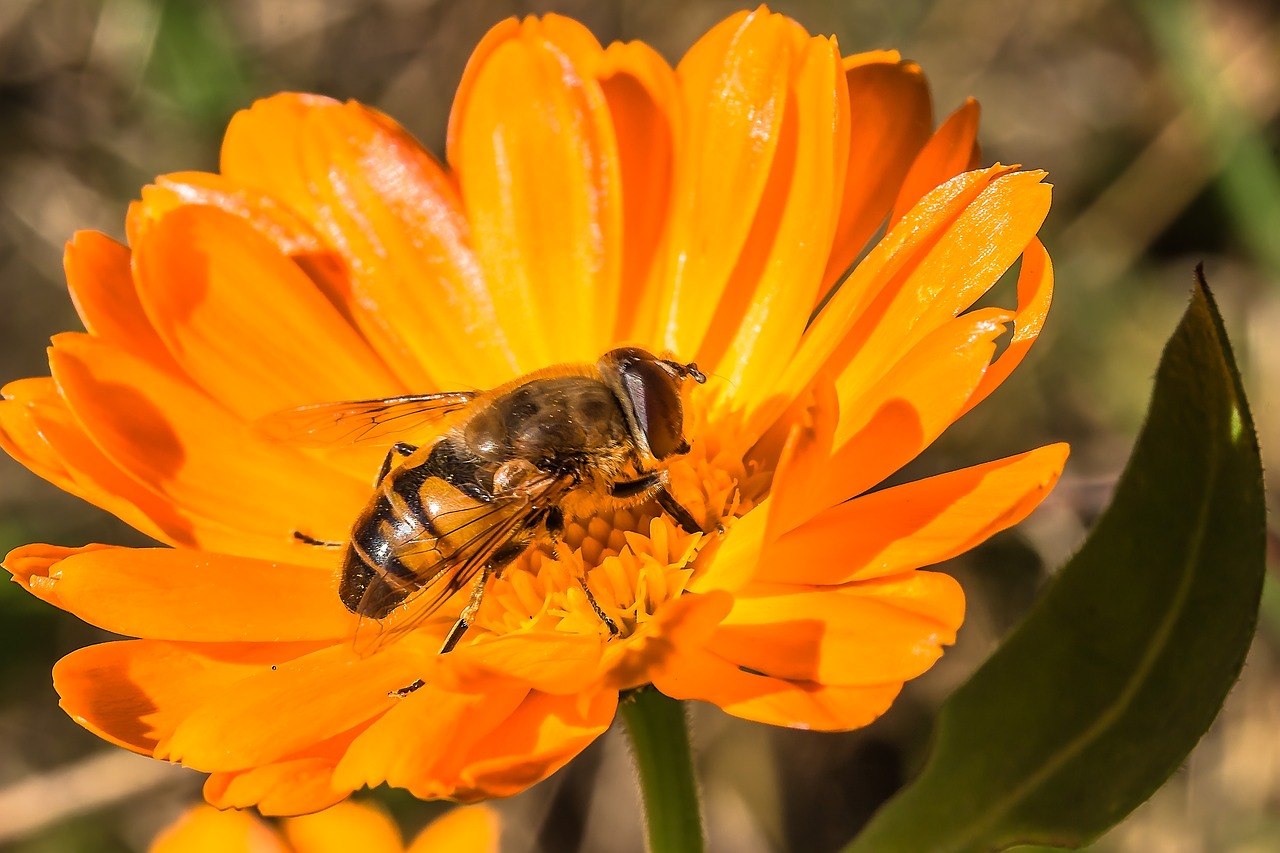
x=281, y=226
x=765, y=306
x=102, y=289
x=855, y=312
x=804, y=462
x=245, y=322
x=22, y=438
x=32, y=565
x=704, y=676
x=890, y=116
x=411, y=745
x=735, y=82
x=247, y=727
x=476, y=829
x=914, y=525
x=985, y=240
x=918, y=291
x=865, y=633
x=948, y=153
x=204, y=460
x=135, y=693
x=539, y=738
x=734, y=561
x=912, y=404
x=392, y=215
x=1035, y=292
x=499, y=34
x=38, y=430
x=951, y=274
x=204, y=829
x=686, y=622
x=535, y=126
x=343, y=828
x=644, y=104
x=543, y=660
x=292, y=787
x=271, y=218
x=167, y=594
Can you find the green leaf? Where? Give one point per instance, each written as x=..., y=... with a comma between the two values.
x=1120, y=668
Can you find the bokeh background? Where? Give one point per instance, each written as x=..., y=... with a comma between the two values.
x=1157, y=120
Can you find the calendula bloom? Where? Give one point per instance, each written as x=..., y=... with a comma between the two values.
x=592, y=197
x=346, y=826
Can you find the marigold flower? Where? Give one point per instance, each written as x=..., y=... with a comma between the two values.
x=592, y=197
x=345, y=826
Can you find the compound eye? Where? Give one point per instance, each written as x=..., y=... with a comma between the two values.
x=655, y=399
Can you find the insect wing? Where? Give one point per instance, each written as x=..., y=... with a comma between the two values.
x=343, y=424
x=493, y=525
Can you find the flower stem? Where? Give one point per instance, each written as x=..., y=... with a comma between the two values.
x=659, y=734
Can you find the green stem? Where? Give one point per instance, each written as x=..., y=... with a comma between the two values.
x=659, y=734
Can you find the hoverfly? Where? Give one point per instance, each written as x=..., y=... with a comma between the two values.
x=505, y=468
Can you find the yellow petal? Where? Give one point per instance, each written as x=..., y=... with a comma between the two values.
x=206, y=830
x=343, y=828
x=468, y=829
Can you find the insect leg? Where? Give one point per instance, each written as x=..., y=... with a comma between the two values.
x=604, y=617
x=673, y=508
x=468, y=613
x=655, y=485
x=634, y=488
x=399, y=449
x=311, y=540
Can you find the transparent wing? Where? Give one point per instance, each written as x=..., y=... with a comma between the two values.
x=361, y=421
x=490, y=527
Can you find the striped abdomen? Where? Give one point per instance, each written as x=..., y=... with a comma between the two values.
x=422, y=527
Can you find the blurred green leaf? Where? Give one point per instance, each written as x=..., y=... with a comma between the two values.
x=1248, y=172
x=196, y=62
x=1101, y=692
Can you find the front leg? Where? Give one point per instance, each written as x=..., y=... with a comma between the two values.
x=655, y=486
x=676, y=510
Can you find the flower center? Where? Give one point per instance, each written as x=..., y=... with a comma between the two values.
x=624, y=564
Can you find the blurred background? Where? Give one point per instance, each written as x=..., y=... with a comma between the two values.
x=1157, y=122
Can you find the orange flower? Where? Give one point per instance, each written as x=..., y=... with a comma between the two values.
x=592, y=197
x=346, y=826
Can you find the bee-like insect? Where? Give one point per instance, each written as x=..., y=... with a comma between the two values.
x=503, y=469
